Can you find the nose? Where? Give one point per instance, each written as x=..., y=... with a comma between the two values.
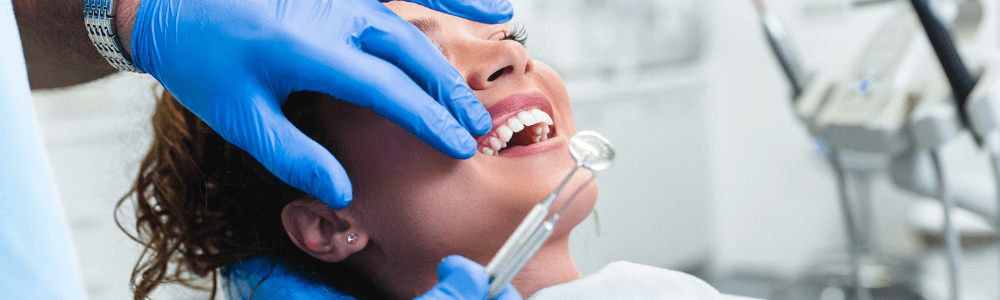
x=503, y=63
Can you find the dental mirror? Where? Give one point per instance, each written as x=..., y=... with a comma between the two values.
x=589, y=149
x=595, y=151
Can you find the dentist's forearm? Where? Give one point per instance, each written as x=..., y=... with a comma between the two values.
x=56, y=47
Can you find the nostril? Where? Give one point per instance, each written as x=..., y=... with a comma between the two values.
x=500, y=73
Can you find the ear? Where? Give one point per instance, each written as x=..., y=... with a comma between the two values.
x=321, y=231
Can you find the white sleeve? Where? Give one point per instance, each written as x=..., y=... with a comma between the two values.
x=36, y=249
x=625, y=280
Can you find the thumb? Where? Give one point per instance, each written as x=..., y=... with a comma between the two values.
x=259, y=127
x=482, y=11
x=458, y=278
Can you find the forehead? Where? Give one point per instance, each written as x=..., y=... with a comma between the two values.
x=420, y=15
x=408, y=10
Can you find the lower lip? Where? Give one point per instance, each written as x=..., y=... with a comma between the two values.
x=537, y=148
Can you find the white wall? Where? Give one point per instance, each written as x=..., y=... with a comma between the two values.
x=654, y=203
x=95, y=135
x=774, y=199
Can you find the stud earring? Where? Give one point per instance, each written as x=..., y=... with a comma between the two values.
x=351, y=239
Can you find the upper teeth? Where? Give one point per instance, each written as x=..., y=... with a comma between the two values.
x=498, y=139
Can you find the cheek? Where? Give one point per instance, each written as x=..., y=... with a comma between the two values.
x=420, y=204
x=552, y=85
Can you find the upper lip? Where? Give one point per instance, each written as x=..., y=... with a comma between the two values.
x=513, y=104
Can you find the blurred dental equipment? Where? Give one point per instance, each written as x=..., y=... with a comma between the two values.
x=783, y=49
x=980, y=116
x=939, y=128
x=590, y=150
x=883, y=106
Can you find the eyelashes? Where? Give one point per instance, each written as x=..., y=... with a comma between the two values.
x=517, y=33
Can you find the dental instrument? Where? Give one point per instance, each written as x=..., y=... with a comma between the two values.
x=844, y=113
x=941, y=128
x=533, y=244
x=978, y=113
x=958, y=77
x=856, y=245
x=782, y=46
x=886, y=108
x=590, y=150
x=864, y=117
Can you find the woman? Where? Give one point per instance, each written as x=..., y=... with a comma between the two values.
x=204, y=204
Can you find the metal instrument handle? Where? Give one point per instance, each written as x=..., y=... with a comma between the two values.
x=534, y=243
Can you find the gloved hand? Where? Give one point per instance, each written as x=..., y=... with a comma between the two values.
x=458, y=279
x=461, y=278
x=234, y=62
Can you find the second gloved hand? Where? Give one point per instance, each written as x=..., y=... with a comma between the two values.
x=460, y=278
x=234, y=62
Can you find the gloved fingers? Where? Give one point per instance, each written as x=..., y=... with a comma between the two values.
x=509, y=293
x=402, y=45
x=482, y=11
x=381, y=86
x=258, y=126
x=458, y=278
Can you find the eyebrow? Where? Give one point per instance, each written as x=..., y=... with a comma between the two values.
x=426, y=25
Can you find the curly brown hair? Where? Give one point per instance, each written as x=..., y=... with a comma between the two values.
x=201, y=204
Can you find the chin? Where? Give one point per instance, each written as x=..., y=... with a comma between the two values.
x=581, y=207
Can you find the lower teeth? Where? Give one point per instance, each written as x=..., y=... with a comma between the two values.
x=541, y=134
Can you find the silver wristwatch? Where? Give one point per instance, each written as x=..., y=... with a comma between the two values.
x=99, y=15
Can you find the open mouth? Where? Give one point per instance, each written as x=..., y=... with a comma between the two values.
x=518, y=121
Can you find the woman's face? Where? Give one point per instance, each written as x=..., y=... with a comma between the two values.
x=416, y=205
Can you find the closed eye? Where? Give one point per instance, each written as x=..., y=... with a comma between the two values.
x=517, y=33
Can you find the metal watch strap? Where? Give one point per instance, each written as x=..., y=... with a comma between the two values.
x=99, y=15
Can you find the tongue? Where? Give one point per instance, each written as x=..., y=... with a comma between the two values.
x=524, y=137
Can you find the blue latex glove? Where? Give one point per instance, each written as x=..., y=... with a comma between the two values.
x=461, y=278
x=458, y=279
x=234, y=62
x=263, y=279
